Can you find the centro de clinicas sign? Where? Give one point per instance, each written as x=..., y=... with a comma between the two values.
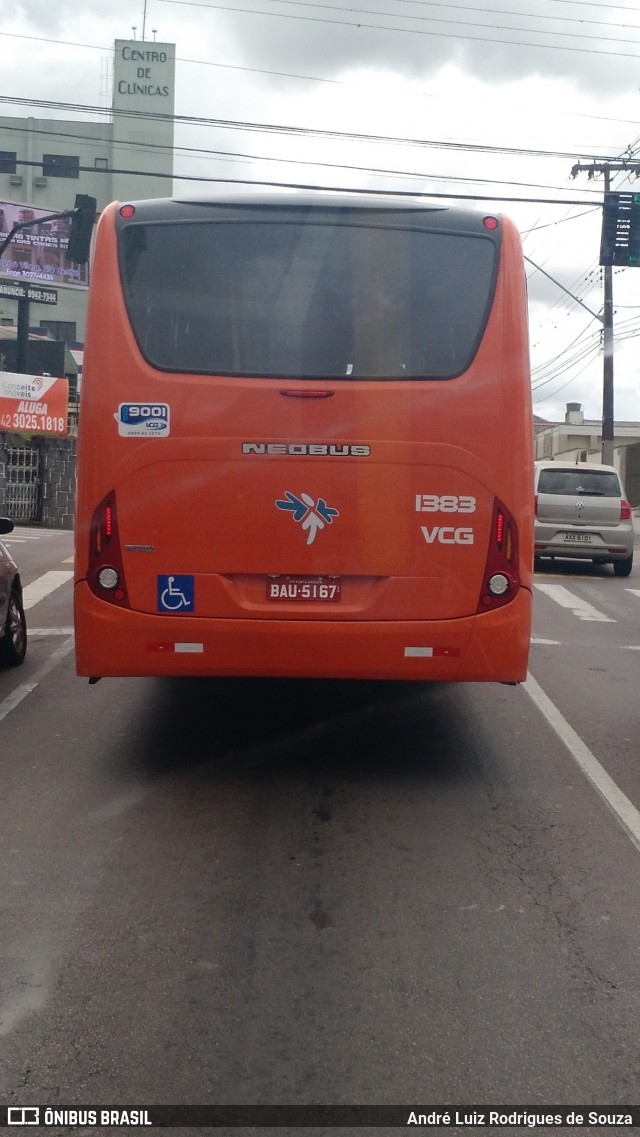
x=33, y=404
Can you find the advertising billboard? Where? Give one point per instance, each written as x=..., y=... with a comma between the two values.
x=35, y=404
x=39, y=253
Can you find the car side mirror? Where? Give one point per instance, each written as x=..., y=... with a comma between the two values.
x=6, y=526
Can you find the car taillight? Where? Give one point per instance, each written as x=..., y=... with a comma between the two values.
x=625, y=510
x=501, y=579
x=105, y=576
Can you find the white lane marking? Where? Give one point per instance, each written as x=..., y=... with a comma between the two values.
x=567, y=599
x=617, y=801
x=23, y=536
x=25, y=531
x=68, y=561
x=44, y=585
x=537, y=642
x=633, y=591
x=15, y=698
x=42, y=633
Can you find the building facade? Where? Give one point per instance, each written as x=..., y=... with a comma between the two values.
x=578, y=439
x=126, y=153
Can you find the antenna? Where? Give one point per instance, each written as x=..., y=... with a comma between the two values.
x=144, y=21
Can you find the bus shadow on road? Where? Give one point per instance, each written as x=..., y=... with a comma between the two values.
x=244, y=727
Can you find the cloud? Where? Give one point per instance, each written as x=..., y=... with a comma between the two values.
x=416, y=40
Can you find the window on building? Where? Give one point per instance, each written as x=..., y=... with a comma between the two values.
x=60, y=166
x=101, y=163
x=60, y=329
x=8, y=161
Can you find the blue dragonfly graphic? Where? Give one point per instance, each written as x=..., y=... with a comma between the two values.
x=313, y=515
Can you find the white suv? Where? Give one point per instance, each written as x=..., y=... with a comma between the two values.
x=581, y=511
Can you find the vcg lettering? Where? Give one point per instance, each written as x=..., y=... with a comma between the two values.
x=447, y=535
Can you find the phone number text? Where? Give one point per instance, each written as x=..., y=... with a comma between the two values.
x=42, y=424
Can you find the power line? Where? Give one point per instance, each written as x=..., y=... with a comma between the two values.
x=203, y=152
x=312, y=78
x=320, y=188
x=300, y=131
x=551, y=224
x=448, y=7
x=474, y=8
x=403, y=31
x=446, y=19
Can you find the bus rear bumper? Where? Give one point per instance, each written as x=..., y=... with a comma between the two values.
x=491, y=647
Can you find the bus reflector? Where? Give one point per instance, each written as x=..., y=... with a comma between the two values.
x=127, y=211
x=490, y=222
x=108, y=578
x=498, y=584
x=105, y=575
x=501, y=579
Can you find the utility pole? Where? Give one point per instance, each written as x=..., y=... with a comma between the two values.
x=608, y=421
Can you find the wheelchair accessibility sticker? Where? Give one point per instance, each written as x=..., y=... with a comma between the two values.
x=176, y=594
x=143, y=420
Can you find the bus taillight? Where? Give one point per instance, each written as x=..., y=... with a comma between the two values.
x=106, y=571
x=501, y=579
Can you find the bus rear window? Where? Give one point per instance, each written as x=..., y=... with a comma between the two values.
x=598, y=483
x=306, y=300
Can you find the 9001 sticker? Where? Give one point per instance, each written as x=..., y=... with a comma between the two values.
x=143, y=420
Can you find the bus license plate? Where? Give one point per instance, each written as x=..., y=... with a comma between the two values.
x=583, y=538
x=322, y=588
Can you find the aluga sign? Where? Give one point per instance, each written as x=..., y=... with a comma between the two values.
x=33, y=404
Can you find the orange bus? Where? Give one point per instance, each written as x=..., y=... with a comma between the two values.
x=305, y=443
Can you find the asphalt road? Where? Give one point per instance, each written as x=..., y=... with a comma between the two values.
x=296, y=892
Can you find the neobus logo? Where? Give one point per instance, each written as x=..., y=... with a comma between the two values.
x=313, y=449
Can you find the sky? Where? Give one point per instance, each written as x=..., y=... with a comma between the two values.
x=494, y=103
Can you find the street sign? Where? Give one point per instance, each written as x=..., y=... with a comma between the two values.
x=620, y=238
x=19, y=290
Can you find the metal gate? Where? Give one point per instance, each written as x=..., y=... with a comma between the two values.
x=23, y=483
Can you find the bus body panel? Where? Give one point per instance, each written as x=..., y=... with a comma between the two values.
x=443, y=650
x=388, y=526
x=398, y=478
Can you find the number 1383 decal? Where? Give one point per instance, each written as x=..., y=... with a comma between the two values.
x=446, y=503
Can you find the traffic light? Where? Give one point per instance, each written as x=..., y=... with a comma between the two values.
x=81, y=229
x=620, y=239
